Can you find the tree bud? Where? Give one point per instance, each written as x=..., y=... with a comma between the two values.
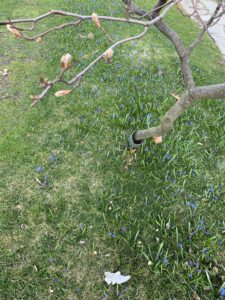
x=95, y=19
x=108, y=56
x=66, y=61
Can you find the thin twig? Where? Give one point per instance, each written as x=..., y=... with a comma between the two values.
x=70, y=14
x=101, y=55
x=206, y=26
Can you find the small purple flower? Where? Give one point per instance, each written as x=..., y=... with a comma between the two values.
x=112, y=234
x=99, y=109
x=192, y=205
x=52, y=157
x=124, y=228
x=200, y=225
x=166, y=157
x=222, y=292
x=205, y=250
x=149, y=116
x=39, y=169
x=45, y=183
x=211, y=190
x=192, y=234
x=180, y=245
x=165, y=261
x=167, y=175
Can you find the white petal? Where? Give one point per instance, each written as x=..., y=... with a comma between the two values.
x=115, y=278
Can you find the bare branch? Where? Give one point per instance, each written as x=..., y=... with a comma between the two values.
x=75, y=82
x=167, y=121
x=176, y=41
x=205, y=27
x=101, y=55
x=77, y=23
x=214, y=91
x=186, y=100
x=69, y=14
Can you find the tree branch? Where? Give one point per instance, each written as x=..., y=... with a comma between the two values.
x=74, y=15
x=187, y=99
x=205, y=28
x=173, y=37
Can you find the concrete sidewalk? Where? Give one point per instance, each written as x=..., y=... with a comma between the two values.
x=205, y=9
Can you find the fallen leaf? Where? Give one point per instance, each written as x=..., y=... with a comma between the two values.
x=196, y=296
x=132, y=151
x=82, y=242
x=4, y=73
x=62, y=93
x=115, y=278
x=43, y=82
x=14, y=31
x=157, y=139
x=33, y=97
x=175, y=96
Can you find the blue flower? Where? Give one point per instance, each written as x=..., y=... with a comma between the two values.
x=211, y=190
x=165, y=261
x=192, y=205
x=99, y=109
x=38, y=169
x=112, y=234
x=52, y=157
x=192, y=234
x=166, y=157
x=149, y=116
x=45, y=181
x=220, y=242
x=222, y=292
x=200, y=225
x=180, y=245
x=124, y=228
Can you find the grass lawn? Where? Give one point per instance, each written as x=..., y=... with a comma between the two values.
x=74, y=202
